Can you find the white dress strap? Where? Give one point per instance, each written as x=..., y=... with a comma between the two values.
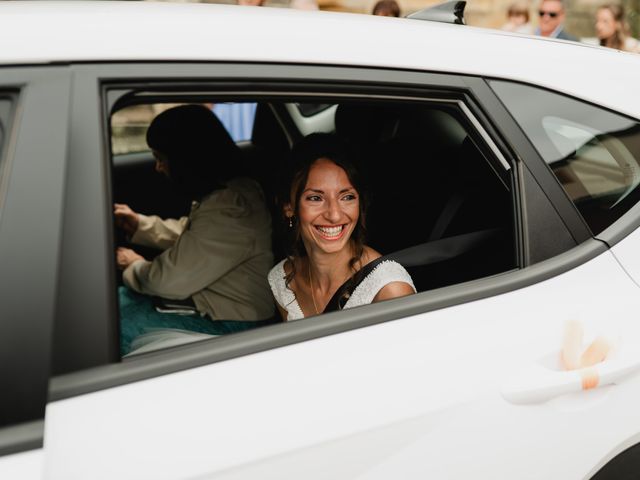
x=283, y=294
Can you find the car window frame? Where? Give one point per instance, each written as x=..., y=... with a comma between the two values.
x=8, y=118
x=237, y=80
x=32, y=178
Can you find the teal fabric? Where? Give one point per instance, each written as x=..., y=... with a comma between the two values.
x=138, y=316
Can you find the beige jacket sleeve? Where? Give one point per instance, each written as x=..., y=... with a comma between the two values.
x=215, y=242
x=155, y=232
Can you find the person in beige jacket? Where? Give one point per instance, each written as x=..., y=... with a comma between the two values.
x=219, y=256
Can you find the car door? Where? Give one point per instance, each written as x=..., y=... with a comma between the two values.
x=34, y=106
x=406, y=397
x=456, y=382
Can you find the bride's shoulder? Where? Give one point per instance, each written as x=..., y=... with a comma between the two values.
x=369, y=255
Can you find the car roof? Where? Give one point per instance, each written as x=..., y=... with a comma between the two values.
x=46, y=32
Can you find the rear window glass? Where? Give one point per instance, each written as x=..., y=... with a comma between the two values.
x=594, y=153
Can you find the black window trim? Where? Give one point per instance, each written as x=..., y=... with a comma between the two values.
x=21, y=438
x=34, y=162
x=523, y=150
x=11, y=135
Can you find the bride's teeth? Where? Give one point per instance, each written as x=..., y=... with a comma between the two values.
x=331, y=231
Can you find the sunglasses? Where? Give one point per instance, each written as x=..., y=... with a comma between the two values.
x=551, y=14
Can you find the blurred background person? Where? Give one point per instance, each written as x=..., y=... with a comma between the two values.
x=386, y=8
x=612, y=29
x=298, y=4
x=518, y=18
x=551, y=23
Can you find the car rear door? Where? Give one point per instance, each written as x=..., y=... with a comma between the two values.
x=474, y=389
x=459, y=382
x=34, y=108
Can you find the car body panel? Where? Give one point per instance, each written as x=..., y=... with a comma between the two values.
x=341, y=401
x=627, y=251
x=23, y=466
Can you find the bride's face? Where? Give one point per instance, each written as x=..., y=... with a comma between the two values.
x=328, y=208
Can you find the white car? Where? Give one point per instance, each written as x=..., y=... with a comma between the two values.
x=505, y=174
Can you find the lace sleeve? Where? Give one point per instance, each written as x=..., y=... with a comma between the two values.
x=387, y=272
x=283, y=295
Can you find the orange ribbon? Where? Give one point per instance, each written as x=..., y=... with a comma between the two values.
x=590, y=378
x=572, y=359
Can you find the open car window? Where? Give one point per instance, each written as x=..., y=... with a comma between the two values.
x=439, y=204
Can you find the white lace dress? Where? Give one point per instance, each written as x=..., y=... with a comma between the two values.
x=385, y=273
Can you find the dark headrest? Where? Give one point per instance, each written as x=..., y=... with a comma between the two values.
x=361, y=123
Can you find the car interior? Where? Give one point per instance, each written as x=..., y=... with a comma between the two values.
x=440, y=203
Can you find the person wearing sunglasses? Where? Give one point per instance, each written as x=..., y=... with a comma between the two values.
x=551, y=20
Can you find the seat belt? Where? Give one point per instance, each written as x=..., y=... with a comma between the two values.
x=343, y=293
x=446, y=215
x=423, y=254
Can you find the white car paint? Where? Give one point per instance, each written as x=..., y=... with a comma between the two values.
x=23, y=466
x=129, y=31
x=627, y=251
x=340, y=406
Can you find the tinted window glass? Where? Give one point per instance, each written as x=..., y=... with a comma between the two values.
x=595, y=154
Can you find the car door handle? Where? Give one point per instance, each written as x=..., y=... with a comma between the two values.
x=539, y=384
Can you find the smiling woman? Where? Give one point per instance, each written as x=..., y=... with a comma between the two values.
x=329, y=266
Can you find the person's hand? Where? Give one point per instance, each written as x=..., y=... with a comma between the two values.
x=125, y=257
x=125, y=218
